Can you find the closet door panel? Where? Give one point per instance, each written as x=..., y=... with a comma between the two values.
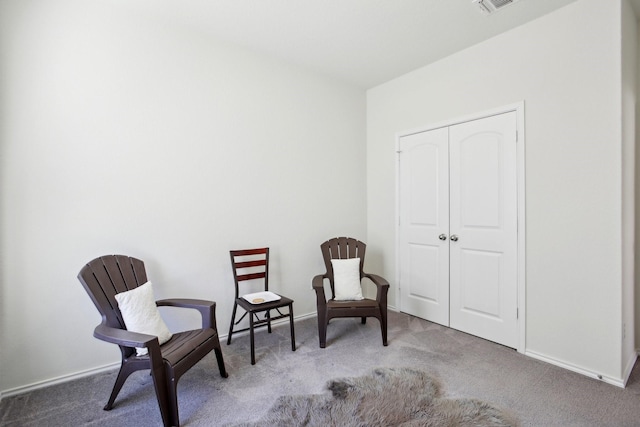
x=424, y=218
x=483, y=215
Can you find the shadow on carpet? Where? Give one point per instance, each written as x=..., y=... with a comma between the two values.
x=385, y=397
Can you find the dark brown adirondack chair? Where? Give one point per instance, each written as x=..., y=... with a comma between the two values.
x=108, y=275
x=347, y=248
x=249, y=265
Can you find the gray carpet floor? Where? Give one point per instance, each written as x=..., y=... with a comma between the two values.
x=536, y=393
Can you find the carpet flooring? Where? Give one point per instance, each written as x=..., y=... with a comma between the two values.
x=536, y=393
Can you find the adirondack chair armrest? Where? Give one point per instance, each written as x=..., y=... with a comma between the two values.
x=206, y=308
x=123, y=337
x=317, y=283
x=382, y=284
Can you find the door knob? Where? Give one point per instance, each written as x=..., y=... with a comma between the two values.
x=442, y=237
x=454, y=238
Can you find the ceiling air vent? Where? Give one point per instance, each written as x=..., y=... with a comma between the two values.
x=489, y=6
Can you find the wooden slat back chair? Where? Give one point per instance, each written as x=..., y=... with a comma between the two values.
x=108, y=275
x=346, y=248
x=249, y=265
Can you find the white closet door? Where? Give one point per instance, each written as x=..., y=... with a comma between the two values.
x=483, y=228
x=424, y=216
x=458, y=227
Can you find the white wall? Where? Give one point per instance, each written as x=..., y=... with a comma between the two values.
x=125, y=134
x=629, y=59
x=566, y=67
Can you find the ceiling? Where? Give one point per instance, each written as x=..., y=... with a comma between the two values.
x=363, y=42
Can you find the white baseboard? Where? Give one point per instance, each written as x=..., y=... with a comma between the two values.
x=618, y=382
x=58, y=380
x=93, y=371
x=629, y=367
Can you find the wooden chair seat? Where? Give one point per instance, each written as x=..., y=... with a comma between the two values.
x=364, y=304
x=183, y=344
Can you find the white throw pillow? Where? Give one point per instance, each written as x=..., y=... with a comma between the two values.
x=346, y=279
x=140, y=314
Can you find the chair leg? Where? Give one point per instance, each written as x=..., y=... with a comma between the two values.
x=162, y=394
x=223, y=370
x=123, y=374
x=383, y=327
x=253, y=347
x=172, y=398
x=363, y=320
x=322, y=328
x=268, y=315
x=233, y=319
x=293, y=334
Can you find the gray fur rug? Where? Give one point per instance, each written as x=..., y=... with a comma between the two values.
x=385, y=397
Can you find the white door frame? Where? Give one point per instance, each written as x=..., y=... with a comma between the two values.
x=520, y=153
